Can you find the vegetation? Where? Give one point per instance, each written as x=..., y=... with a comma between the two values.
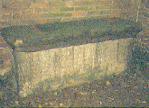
x=139, y=59
x=69, y=33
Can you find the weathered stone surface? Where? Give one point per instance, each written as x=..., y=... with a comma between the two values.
x=61, y=67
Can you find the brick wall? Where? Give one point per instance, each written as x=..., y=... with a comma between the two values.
x=42, y=11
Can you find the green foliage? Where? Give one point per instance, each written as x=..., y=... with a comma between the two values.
x=139, y=59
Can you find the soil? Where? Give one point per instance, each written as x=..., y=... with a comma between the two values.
x=128, y=89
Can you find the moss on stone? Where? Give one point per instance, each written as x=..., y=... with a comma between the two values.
x=68, y=33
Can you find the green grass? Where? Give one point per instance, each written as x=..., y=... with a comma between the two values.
x=70, y=33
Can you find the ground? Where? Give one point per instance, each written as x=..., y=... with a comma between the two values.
x=127, y=89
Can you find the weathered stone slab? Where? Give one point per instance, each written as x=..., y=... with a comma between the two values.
x=61, y=67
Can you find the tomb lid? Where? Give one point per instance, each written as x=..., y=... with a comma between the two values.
x=62, y=34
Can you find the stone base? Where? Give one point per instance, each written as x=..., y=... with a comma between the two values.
x=62, y=67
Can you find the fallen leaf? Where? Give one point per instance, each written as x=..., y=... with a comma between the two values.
x=61, y=104
x=94, y=91
x=108, y=83
x=111, y=98
x=100, y=103
x=144, y=102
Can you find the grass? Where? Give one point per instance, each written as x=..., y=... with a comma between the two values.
x=69, y=33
